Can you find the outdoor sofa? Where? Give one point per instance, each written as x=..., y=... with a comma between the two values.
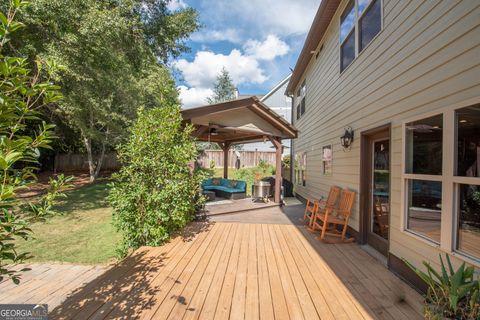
x=226, y=188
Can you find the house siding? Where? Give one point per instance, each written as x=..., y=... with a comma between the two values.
x=425, y=58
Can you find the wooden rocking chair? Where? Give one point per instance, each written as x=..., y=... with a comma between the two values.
x=328, y=221
x=313, y=206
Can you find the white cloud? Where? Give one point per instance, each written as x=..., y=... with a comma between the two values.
x=203, y=70
x=193, y=97
x=176, y=4
x=209, y=36
x=261, y=17
x=267, y=50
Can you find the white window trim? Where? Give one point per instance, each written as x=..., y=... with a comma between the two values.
x=449, y=181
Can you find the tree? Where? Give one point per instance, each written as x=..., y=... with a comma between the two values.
x=107, y=49
x=155, y=192
x=223, y=90
x=22, y=94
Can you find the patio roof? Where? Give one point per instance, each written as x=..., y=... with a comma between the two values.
x=238, y=121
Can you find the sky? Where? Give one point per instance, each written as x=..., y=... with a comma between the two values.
x=257, y=41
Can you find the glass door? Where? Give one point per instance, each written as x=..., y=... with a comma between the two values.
x=380, y=193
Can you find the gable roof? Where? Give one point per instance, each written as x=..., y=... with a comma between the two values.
x=322, y=20
x=278, y=86
x=238, y=121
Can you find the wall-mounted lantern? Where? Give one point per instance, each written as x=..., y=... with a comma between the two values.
x=347, y=139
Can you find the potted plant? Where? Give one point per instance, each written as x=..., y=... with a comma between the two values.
x=451, y=294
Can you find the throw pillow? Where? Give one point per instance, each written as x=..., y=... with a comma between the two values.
x=216, y=181
x=233, y=183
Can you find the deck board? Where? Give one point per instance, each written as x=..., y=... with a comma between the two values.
x=230, y=271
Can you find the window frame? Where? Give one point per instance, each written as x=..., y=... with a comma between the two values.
x=331, y=160
x=300, y=100
x=450, y=183
x=356, y=30
x=300, y=168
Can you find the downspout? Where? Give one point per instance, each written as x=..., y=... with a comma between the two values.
x=292, y=140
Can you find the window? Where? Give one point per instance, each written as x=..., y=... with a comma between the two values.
x=424, y=208
x=360, y=22
x=300, y=168
x=301, y=93
x=347, y=36
x=468, y=141
x=327, y=160
x=444, y=174
x=423, y=145
x=304, y=169
x=467, y=121
x=370, y=23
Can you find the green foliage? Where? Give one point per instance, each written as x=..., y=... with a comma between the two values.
x=43, y=208
x=22, y=95
x=250, y=175
x=451, y=294
x=224, y=89
x=155, y=192
x=110, y=53
x=286, y=161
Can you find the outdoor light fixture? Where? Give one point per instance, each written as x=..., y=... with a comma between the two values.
x=347, y=139
x=213, y=132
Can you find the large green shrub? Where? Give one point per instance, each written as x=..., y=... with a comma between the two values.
x=23, y=93
x=156, y=192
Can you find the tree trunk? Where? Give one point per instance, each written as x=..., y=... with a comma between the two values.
x=91, y=165
x=100, y=161
x=88, y=147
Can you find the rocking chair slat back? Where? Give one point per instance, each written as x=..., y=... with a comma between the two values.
x=345, y=204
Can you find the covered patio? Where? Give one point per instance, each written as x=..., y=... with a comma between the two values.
x=239, y=122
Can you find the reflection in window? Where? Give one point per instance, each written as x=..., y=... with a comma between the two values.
x=468, y=141
x=348, y=51
x=304, y=169
x=424, y=208
x=362, y=4
x=347, y=36
x=370, y=24
x=468, y=234
x=327, y=160
x=424, y=146
x=347, y=21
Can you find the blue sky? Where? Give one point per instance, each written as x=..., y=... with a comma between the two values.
x=256, y=41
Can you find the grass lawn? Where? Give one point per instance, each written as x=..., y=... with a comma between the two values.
x=83, y=232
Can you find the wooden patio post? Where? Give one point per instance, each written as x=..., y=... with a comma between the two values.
x=277, y=142
x=225, y=147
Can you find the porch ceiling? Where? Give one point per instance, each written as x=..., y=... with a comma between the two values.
x=238, y=121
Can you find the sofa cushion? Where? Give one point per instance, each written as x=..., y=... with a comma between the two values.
x=207, y=182
x=242, y=185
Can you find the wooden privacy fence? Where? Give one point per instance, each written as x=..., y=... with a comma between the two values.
x=247, y=158
x=79, y=162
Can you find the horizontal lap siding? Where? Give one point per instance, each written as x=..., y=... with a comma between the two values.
x=427, y=57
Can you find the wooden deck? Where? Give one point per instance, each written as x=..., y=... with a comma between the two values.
x=48, y=283
x=224, y=206
x=245, y=271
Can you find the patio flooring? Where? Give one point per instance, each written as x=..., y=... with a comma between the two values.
x=221, y=270
x=251, y=265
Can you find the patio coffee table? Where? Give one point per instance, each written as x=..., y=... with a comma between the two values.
x=209, y=194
